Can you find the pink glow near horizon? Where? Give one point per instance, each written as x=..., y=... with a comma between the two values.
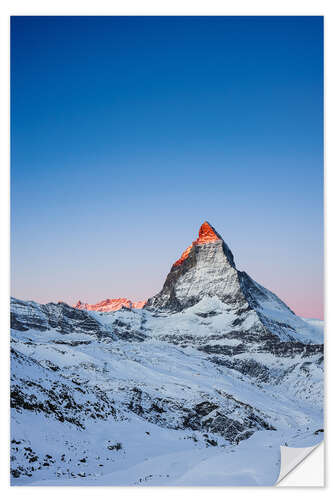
x=300, y=290
x=302, y=309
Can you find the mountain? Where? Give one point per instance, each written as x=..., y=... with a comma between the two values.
x=213, y=371
x=206, y=270
x=108, y=305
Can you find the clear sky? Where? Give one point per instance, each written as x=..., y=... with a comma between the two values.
x=129, y=132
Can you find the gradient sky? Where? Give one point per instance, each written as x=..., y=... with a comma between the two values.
x=129, y=132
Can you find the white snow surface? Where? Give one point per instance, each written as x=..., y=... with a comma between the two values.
x=170, y=370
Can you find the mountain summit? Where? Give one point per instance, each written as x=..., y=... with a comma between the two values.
x=205, y=268
x=207, y=234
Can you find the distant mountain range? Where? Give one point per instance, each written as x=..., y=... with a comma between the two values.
x=108, y=305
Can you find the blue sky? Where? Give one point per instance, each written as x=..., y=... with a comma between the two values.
x=128, y=132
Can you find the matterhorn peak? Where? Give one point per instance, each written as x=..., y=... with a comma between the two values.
x=205, y=268
x=207, y=234
x=206, y=272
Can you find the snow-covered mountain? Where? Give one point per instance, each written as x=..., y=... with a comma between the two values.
x=206, y=270
x=212, y=372
x=108, y=305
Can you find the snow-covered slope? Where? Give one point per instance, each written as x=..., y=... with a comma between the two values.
x=181, y=392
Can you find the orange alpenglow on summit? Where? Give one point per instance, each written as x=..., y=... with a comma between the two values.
x=111, y=305
x=207, y=234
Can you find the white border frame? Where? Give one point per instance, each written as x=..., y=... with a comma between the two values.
x=144, y=7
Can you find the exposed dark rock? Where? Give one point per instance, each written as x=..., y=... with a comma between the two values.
x=62, y=317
